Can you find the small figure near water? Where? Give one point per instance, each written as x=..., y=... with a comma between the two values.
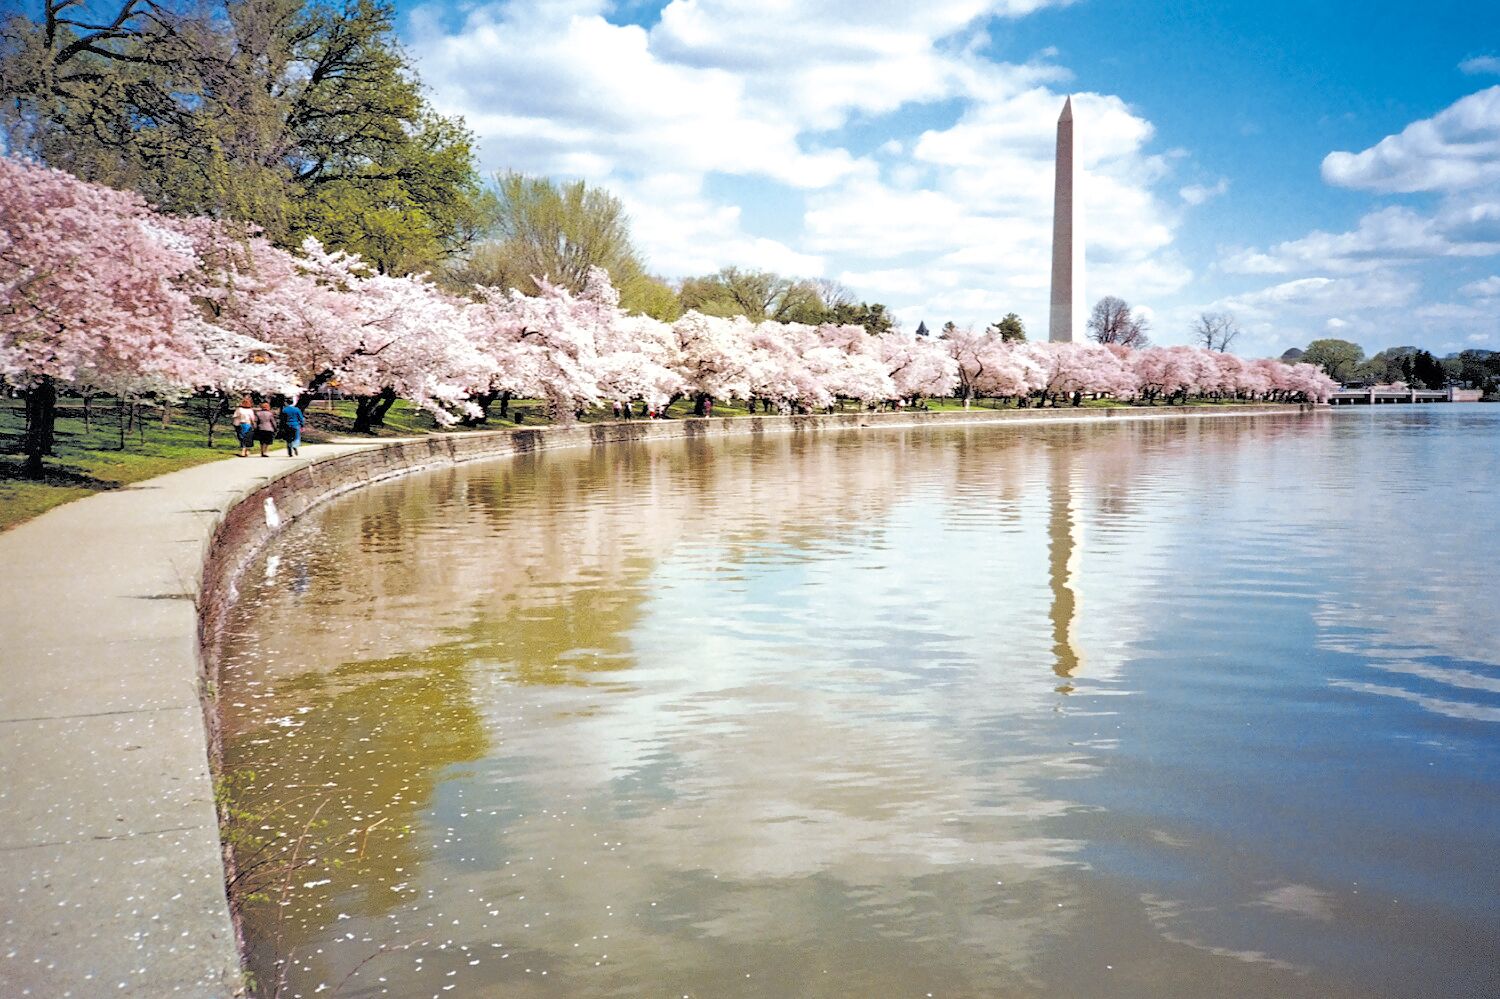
x=292, y=422
x=244, y=425
x=265, y=428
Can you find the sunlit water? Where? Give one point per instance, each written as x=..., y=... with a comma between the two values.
x=1147, y=709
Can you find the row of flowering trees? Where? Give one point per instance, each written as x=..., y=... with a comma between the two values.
x=98, y=293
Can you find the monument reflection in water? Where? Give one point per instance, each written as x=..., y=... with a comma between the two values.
x=1118, y=710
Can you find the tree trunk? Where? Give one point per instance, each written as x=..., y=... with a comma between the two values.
x=88, y=413
x=700, y=404
x=483, y=400
x=307, y=395
x=215, y=405
x=383, y=404
x=120, y=418
x=364, y=409
x=41, y=424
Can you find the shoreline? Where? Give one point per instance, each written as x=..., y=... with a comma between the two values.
x=112, y=868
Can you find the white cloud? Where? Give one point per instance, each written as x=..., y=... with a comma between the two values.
x=985, y=209
x=1345, y=278
x=1484, y=288
x=682, y=231
x=1197, y=194
x=577, y=95
x=1323, y=297
x=1382, y=238
x=1486, y=65
x=1456, y=149
x=953, y=220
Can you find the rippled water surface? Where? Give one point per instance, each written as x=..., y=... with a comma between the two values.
x=1178, y=708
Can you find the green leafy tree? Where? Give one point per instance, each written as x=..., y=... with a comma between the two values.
x=303, y=116
x=872, y=316
x=1011, y=328
x=756, y=295
x=1390, y=365
x=651, y=296
x=1476, y=368
x=1427, y=371
x=1339, y=359
x=543, y=229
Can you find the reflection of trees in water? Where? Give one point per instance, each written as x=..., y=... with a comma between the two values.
x=345, y=762
x=415, y=560
x=760, y=812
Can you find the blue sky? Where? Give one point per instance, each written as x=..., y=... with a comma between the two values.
x=1321, y=168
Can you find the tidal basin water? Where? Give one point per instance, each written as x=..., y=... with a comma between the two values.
x=1182, y=708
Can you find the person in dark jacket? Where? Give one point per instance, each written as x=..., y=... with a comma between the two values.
x=292, y=422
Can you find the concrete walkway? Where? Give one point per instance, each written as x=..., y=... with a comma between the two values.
x=111, y=881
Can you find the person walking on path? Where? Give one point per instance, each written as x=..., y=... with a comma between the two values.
x=291, y=428
x=244, y=425
x=265, y=428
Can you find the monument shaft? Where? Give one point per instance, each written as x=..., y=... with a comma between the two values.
x=1066, y=321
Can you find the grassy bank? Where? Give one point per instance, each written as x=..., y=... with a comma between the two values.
x=110, y=447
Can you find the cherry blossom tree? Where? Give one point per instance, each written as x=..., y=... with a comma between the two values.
x=857, y=370
x=637, y=357
x=100, y=293
x=714, y=356
x=918, y=366
x=546, y=345
x=970, y=353
x=90, y=291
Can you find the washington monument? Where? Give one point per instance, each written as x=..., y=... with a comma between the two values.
x=1066, y=323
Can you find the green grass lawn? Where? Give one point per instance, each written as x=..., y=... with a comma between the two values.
x=92, y=458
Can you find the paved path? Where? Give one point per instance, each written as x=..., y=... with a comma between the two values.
x=111, y=881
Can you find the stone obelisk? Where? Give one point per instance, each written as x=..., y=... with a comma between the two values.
x=1067, y=317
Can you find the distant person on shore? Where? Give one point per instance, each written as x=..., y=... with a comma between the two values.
x=265, y=428
x=292, y=421
x=244, y=425
x=708, y=406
